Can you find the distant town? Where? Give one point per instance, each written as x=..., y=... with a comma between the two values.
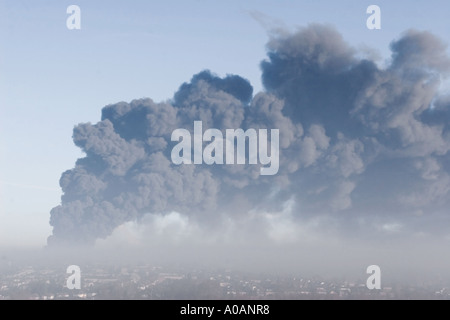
x=146, y=282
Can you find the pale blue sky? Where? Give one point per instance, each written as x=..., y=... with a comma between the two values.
x=52, y=78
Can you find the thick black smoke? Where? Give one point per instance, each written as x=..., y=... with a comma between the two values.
x=363, y=149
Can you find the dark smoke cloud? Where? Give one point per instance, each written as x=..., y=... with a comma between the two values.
x=364, y=150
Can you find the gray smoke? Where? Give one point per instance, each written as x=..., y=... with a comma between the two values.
x=363, y=149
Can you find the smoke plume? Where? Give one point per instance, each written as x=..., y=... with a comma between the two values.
x=364, y=149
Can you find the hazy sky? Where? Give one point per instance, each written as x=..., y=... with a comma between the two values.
x=52, y=78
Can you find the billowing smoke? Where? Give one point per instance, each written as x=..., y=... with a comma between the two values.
x=364, y=149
